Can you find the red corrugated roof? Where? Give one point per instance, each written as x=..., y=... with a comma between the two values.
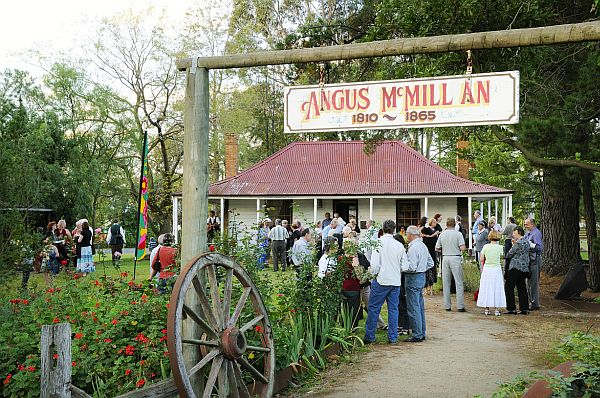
x=326, y=168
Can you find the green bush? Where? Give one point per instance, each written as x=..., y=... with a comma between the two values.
x=584, y=381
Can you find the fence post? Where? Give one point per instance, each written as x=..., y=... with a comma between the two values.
x=56, y=380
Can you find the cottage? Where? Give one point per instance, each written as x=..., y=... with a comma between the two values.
x=306, y=179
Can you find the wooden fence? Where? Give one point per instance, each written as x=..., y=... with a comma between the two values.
x=55, y=381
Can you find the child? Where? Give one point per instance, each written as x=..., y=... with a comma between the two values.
x=491, y=284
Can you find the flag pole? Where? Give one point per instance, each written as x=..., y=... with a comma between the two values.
x=137, y=234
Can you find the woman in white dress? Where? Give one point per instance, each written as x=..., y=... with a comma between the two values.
x=491, y=284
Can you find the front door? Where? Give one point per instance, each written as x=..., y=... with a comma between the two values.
x=346, y=208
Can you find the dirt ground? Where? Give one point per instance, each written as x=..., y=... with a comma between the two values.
x=465, y=353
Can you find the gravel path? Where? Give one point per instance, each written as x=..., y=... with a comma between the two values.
x=465, y=354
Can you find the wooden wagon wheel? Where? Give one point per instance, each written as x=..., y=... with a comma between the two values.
x=222, y=340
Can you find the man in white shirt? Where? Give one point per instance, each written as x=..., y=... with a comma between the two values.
x=451, y=244
x=419, y=261
x=213, y=225
x=386, y=263
x=279, y=236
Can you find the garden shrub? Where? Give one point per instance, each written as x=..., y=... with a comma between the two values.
x=584, y=381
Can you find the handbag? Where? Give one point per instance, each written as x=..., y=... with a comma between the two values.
x=156, y=265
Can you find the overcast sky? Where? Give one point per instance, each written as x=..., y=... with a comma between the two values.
x=54, y=26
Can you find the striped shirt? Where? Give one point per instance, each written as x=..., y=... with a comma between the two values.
x=279, y=233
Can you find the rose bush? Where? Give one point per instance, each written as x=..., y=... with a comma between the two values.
x=118, y=334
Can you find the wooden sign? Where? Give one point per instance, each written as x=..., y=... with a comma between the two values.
x=467, y=100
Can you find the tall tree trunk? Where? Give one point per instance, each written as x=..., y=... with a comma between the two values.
x=590, y=228
x=560, y=221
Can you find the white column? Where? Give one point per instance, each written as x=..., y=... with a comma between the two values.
x=510, y=213
x=176, y=219
x=504, y=206
x=496, y=210
x=222, y=216
x=426, y=206
x=315, y=201
x=470, y=222
x=257, y=211
x=481, y=210
x=370, y=208
x=489, y=209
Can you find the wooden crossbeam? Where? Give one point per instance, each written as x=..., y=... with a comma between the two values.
x=556, y=34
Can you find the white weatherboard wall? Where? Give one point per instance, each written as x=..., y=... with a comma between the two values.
x=447, y=207
x=245, y=213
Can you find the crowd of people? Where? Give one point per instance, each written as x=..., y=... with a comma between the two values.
x=398, y=265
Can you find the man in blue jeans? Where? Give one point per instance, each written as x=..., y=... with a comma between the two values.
x=419, y=261
x=386, y=262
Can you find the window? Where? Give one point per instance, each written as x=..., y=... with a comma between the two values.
x=408, y=212
x=280, y=209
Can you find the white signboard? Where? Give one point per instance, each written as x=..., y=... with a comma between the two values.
x=468, y=100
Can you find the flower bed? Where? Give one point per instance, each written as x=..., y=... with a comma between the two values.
x=119, y=326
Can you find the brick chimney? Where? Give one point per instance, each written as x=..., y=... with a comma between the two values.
x=462, y=165
x=231, y=155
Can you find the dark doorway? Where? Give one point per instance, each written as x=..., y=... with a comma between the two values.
x=408, y=212
x=280, y=209
x=346, y=208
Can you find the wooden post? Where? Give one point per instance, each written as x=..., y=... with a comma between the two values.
x=56, y=380
x=568, y=33
x=470, y=201
x=195, y=194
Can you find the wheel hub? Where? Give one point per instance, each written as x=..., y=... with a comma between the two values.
x=233, y=343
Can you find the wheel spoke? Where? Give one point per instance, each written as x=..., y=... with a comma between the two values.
x=192, y=314
x=227, y=297
x=210, y=343
x=255, y=348
x=212, y=377
x=233, y=386
x=214, y=292
x=242, y=361
x=253, y=322
x=204, y=303
x=239, y=379
x=207, y=358
x=223, y=384
x=240, y=306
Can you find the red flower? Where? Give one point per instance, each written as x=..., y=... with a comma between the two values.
x=166, y=353
x=96, y=282
x=142, y=362
x=211, y=248
x=124, y=274
x=144, y=298
x=164, y=331
x=114, y=321
x=73, y=363
x=51, y=290
x=129, y=350
x=131, y=284
x=97, y=305
x=55, y=320
x=31, y=368
x=107, y=340
x=140, y=383
x=133, y=302
x=127, y=372
x=163, y=338
x=15, y=301
x=141, y=338
x=98, y=331
x=21, y=367
x=124, y=313
x=152, y=375
x=258, y=328
x=7, y=380
x=279, y=294
x=76, y=276
x=78, y=335
x=25, y=301
x=55, y=356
